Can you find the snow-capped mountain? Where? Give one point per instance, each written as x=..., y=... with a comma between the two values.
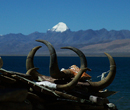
x=60, y=27
x=90, y=41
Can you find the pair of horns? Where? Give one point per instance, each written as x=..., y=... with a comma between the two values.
x=53, y=67
x=56, y=73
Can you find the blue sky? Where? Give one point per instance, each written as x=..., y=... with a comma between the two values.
x=28, y=16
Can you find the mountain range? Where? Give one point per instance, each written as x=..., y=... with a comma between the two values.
x=91, y=42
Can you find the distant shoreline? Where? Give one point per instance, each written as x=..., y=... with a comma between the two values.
x=75, y=55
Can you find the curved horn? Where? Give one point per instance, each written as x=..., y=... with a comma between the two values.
x=54, y=69
x=35, y=75
x=30, y=64
x=29, y=60
x=73, y=83
x=83, y=61
x=110, y=77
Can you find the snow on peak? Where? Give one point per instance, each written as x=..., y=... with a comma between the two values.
x=60, y=27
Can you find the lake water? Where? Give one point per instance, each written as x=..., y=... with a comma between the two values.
x=98, y=65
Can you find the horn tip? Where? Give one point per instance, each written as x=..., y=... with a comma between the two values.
x=63, y=47
x=35, y=68
x=37, y=40
x=106, y=53
x=67, y=47
x=39, y=46
x=32, y=69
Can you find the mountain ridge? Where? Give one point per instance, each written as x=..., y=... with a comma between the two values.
x=20, y=44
